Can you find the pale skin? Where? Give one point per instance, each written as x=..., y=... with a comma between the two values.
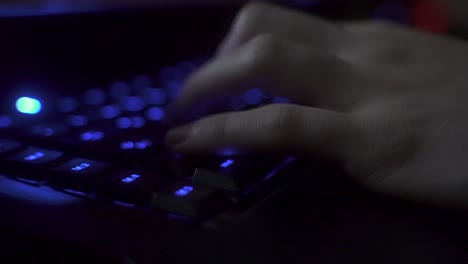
x=388, y=102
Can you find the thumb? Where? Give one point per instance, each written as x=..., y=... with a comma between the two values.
x=278, y=128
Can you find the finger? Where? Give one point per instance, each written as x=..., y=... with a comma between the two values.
x=279, y=67
x=258, y=18
x=270, y=129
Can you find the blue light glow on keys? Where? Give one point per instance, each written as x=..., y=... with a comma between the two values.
x=34, y=156
x=95, y=97
x=77, y=120
x=155, y=113
x=227, y=163
x=67, y=104
x=91, y=136
x=133, y=103
x=184, y=191
x=254, y=97
x=155, y=96
x=131, y=178
x=123, y=123
x=138, y=122
x=110, y=111
x=119, y=89
x=127, y=145
x=27, y=105
x=81, y=167
x=5, y=121
x=143, y=144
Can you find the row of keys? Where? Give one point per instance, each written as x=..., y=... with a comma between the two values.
x=198, y=195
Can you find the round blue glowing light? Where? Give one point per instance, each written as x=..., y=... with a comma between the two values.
x=254, y=97
x=5, y=121
x=133, y=103
x=110, y=111
x=124, y=122
x=155, y=113
x=138, y=122
x=27, y=105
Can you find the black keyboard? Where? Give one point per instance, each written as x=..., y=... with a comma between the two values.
x=107, y=144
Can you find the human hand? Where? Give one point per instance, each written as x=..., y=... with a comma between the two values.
x=388, y=102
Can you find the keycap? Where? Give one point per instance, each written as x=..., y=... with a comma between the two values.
x=132, y=187
x=31, y=163
x=78, y=174
x=7, y=146
x=184, y=198
x=234, y=174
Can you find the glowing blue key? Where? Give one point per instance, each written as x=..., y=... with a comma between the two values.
x=184, y=191
x=155, y=113
x=124, y=123
x=77, y=120
x=143, y=144
x=92, y=136
x=131, y=178
x=254, y=97
x=95, y=97
x=34, y=156
x=227, y=163
x=110, y=111
x=81, y=167
x=155, y=96
x=133, y=103
x=27, y=105
x=127, y=145
x=5, y=121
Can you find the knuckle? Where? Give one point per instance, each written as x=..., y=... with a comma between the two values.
x=262, y=52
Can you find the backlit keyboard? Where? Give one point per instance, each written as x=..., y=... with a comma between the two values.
x=107, y=144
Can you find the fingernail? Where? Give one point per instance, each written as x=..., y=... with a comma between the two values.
x=178, y=135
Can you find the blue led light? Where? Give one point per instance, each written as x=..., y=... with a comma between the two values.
x=27, y=105
x=110, y=111
x=77, y=120
x=34, y=156
x=155, y=113
x=184, y=191
x=92, y=136
x=124, y=122
x=67, y=104
x=5, y=121
x=131, y=178
x=81, y=167
x=127, y=145
x=155, y=96
x=133, y=103
x=254, y=97
x=95, y=97
x=227, y=163
x=143, y=144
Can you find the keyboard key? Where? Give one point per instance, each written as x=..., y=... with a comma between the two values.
x=186, y=199
x=78, y=175
x=233, y=174
x=128, y=187
x=7, y=146
x=31, y=163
